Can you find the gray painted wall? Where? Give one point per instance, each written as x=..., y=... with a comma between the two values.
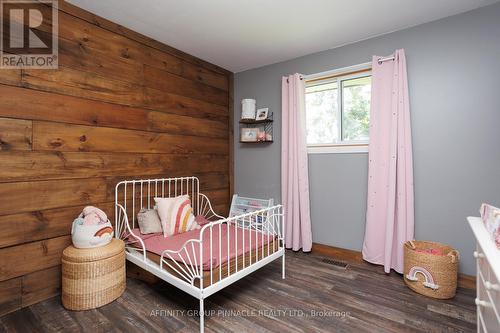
x=454, y=75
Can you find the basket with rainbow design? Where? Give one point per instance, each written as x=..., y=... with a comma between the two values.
x=431, y=268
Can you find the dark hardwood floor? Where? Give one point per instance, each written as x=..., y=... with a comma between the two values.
x=315, y=297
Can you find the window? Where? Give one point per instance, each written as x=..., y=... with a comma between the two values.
x=338, y=112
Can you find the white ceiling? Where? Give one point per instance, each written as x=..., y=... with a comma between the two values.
x=244, y=34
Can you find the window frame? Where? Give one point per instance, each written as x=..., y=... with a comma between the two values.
x=338, y=76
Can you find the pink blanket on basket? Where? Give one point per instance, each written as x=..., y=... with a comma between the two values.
x=251, y=240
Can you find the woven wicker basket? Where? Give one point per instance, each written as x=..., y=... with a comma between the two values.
x=93, y=277
x=429, y=274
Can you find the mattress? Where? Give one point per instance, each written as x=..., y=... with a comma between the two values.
x=245, y=247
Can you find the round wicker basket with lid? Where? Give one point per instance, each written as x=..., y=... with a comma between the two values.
x=93, y=277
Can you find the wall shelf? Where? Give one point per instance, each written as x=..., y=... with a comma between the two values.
x=255, y=122
x=264, y=125
x=261, y=142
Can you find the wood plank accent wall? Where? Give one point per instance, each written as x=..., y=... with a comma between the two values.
x=120, y=106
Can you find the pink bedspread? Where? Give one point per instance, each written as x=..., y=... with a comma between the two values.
x=156, y=243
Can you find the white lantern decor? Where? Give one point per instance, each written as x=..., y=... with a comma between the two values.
x=248, y=108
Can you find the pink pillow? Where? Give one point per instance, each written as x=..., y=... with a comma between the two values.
x=176, y=215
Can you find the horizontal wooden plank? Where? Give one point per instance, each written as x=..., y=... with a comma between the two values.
x=118, y=29
x=78, y=56
x=336, y=252
x=64, y=137
x=38, y=105
x=94, y=37
x=15, y=134
x=69, y=81
x=29, y=289
x=27, y=258
x=159, y=100
x=32, y=226
x=41, y=285
x=32, y=196
x=204, y=76
x=36, y=165
x=165, y=81
x=10, y=77
x=175, y=124
x=10, y=295
x=466, y=281
x=217, y=197
x=166, y=62
x=213, y=181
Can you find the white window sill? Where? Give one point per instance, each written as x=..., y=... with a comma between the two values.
x=338, y=149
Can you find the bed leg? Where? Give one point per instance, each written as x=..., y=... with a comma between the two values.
x=202, y=315
x=283, y=266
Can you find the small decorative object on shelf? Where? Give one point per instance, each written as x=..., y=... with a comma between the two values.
x=249, y=134
x=259, y=129
x=262, y=114
x=261, y=136
x=248, y=108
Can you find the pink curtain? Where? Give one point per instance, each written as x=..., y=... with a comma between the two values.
x=389, y=216
x=294, y=171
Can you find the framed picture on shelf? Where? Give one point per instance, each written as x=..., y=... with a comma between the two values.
x=262, y=114
x=249, y=134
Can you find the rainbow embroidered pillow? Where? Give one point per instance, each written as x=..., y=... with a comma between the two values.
x=176, y=215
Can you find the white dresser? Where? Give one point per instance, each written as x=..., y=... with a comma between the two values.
x=488, y=278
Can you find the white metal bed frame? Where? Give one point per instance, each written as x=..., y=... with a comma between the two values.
x=132, y=195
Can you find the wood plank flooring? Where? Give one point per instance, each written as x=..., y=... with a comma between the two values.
x=315, y=297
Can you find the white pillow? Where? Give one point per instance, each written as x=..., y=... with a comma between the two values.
x=176, y=215
x=149, y=221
